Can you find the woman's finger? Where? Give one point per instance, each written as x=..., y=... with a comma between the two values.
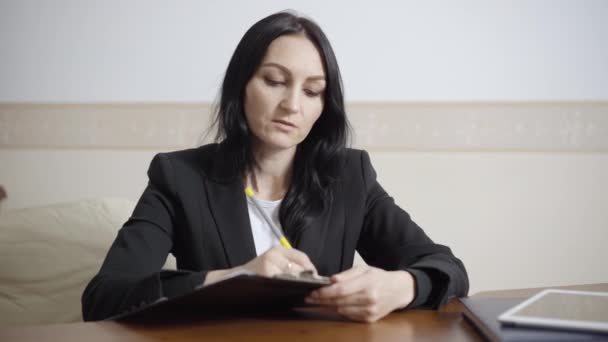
x=351, y=273
x=299, y=258
x=361, y=313
x=269, y=268
x=285, y=260
x=358, y=299
x=292, y=267
x=343, y=288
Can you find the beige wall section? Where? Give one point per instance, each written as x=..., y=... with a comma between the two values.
x=520, y=212
x=460, y=126
x=516, y=219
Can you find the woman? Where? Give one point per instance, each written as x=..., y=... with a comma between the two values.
x=282, y=131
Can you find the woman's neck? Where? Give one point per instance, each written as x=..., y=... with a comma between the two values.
x=271, y=176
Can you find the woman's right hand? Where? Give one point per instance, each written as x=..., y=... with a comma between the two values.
x=279, y=260
x=275, y=261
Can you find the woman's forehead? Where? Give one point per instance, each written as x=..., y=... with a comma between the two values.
x=296, y=55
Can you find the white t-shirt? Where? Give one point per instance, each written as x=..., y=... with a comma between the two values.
x=263, y=237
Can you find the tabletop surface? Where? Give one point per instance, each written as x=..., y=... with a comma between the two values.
x=310, y=324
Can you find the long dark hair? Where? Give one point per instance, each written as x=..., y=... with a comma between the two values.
x=318, y=158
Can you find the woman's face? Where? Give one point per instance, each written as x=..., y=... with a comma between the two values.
x=284, y=98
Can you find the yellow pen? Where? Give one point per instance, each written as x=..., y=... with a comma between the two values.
x=274, y=228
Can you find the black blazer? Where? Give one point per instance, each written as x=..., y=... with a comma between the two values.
x=195, y=208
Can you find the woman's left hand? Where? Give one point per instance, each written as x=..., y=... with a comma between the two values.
x=365, y=293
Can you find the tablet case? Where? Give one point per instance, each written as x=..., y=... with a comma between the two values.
x=240, y=292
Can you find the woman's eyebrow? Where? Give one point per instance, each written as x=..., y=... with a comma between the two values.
x=287, y=71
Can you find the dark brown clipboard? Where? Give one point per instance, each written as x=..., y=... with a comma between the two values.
x=238, y=293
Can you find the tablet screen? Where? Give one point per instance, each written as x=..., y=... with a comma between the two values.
x=567, y=306
x=561, y=309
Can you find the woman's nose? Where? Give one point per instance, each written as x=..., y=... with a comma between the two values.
x=291, y=101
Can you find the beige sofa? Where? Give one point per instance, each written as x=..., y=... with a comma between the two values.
x=50, y=253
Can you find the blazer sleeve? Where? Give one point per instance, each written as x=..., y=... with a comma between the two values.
x=392, y=241
x=131, y=275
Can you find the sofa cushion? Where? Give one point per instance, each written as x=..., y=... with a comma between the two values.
x=50, y=253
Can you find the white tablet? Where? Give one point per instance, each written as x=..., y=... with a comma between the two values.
x=563, y=309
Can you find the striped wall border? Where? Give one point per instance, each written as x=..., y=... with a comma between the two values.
x=434, y=126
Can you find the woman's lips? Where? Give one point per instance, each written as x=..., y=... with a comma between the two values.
x=285, y=124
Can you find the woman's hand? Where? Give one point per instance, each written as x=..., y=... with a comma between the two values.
x=279, y=260
x=275, y=261
x=365, y=293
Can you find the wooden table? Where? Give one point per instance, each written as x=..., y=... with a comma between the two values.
x=415, y=325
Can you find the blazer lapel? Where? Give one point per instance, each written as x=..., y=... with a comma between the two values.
x=228, y=206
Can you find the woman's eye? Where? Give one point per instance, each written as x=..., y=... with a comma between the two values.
x=272, y=83
x=311, y=93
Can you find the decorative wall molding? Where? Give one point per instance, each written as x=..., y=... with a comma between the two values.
x=433, y=126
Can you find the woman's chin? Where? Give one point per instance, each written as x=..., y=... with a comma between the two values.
x=279, y=144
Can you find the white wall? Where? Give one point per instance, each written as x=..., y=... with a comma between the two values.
x=174, y=51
